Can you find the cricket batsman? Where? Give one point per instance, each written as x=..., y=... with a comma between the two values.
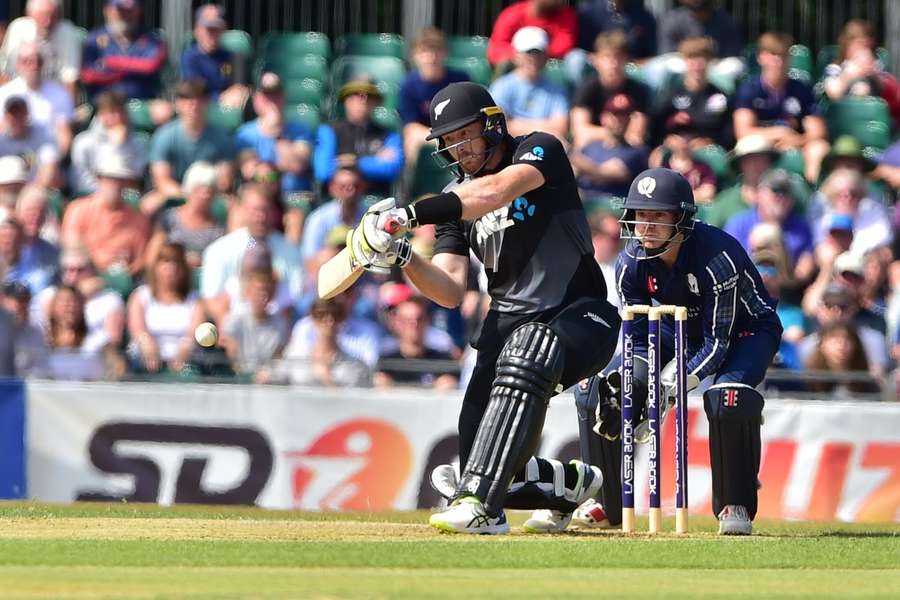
x=515, y=204
x=732, y=335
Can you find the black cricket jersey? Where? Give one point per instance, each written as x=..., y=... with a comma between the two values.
x=537, y=250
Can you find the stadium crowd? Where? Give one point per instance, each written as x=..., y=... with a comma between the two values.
x=138, y=200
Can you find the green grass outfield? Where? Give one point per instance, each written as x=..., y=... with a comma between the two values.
x=136, y=551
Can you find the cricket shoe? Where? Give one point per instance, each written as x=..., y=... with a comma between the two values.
x=467, y=515
x=734, y=520
x=444, y=480
x=553, y=521
x=590, y=515
x=642, y=431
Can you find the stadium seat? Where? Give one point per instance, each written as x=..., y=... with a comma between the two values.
x=429, y=177
x=304, y=91
x=308, y=114
x=467, y=47
x=119, y=281
x=309, y=66
x=291, y=45
x=717, y=158
x=828, y=54
x=228, y=119
x=237, y=42
x=139, y=115
x=801, y=63
x=385, y=69
x=792, y=161
x=387, y=118
x=555, y=71
x=478, y=69
x=371, y=44
x=853, y=116
x=873, y=134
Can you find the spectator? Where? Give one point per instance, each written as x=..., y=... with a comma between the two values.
x=223, y=72
x=13, y=177
x=628, y=16
x=856, y=70
x=844, y=192
x=888, y=169
x=109, y=128
x=429, y=75
x=553, y=16
x=875, y=287
x=177, y=145
x=222, y=258
x=840, y=350
x=591, y=96
x=66, y=332
x=781, y=109
x=677, y=155
x=31, y=213
x=606, y=237
x=30, y=346
x=605, y=168
x=163, y=313
x=49, y=103
x=696, y=18
x=252, y=335
x=32, y=143
x=125, y=57
x=16, y=264
x=114, y=233
x=775, y=204
x=531, y=103
x=58, y=38
x=273, y=139
x=776, y=277
x=692, y=104
x=408, y=322
x=191, y=225
x=318, y=353
x=345, y=207
x=104, y=310
x=378, y=152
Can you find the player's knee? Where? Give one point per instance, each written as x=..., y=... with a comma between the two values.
x=587, y=393
x=532, y=361
x=732, y=402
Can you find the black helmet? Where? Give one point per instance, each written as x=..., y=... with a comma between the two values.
x=659, y=189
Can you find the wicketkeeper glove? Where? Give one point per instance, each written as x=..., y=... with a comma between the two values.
x=609, y=411
x=667, y=379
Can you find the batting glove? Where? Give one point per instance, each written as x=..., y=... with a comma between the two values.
x=384, y=222
x=363, y=254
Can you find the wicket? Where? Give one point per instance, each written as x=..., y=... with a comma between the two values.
x=654, y=317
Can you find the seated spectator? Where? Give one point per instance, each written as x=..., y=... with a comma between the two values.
x=223, y=72
x=318, y=353
x=429, y=75
x=179, y=144
x=104, y=310
x=781, y=109
x=345, y=207
x=876, y=289
x=691, y=104
x=110, y=127
x=125, y=57
x=677, y=155
x=252, y=335
x=606, y=238
x=191, y=225
x=13, y=177
x=114, y=233
x=840, y=350
x=553, y=16
x=33, y=143
x=605, y=168
x=630, y=17
x=391, y=295
x=58, y=38
x=695, y=18
x=30, y=346
x=888, y=169
x=408, y=323
x=775, y=204
x=163, y=314
x=66, y=332
x=844, y=192
x=7, y=337
x=856, y=70
x=775, y=277
x=49, y=104
x=273, y=139
x=591, y=96
x=31, y=213
x=16, y=265
x=531, y=103
x=377, y=151
x=222, y=258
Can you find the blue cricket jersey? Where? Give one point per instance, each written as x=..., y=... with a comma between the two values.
x=718, y=284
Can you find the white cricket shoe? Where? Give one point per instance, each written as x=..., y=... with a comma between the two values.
x=734, y=520
x=642, y=431
x=444, y=480
x=590, y=479
x=590, y=515
x=467, y=515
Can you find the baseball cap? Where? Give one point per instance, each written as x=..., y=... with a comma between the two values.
x=359, y=85
x=618, y=103
x=113, y=163
x=391, y=294
x=779, y=181
x=210, y=16
x=530, y=39
x=848, y=262
x=750, y=145
x=13, y=170
x=270, y=83
x=838, y=222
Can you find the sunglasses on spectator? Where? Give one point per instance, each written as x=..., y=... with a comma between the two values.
x=270, y=177
x=76, y=268
x=840, y=305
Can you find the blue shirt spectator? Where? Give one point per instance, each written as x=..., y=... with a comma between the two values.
x=173, y=145
x=416, y=94
x=629, y=16
x=633, y=158
x=250, y=137
x=521, y=98
x=345, y=208
x=216, y=68
x=798, y=236
x=700, y=18
x=16, y=264
x=777, y=107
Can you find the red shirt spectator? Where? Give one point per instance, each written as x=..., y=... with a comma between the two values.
x=552, y=16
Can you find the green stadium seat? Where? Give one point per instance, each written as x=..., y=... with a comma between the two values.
x=387, y=118
x=371, y=44
x=792, y=161
x=382, y=69
x=308, y=66
x=119, y=281
x=478, y=69
x=219, y=210
x=308, y=114
x=291, y=45
x=467, y=47
x=226, y=118
x=635, y=72
x=873, y=134
x=801, y=65
x=852, y=116
x=555, y=71
x=429, y=177
x=237, y=42
x=304, y=91
x=139, y=115
x=716, y=157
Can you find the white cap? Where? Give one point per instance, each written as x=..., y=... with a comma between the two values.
x=201, y=173
x=113, y=163
x=848, y=262
x=13, y=169
x=531, y=38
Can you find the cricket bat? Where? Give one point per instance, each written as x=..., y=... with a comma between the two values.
x=341, y=271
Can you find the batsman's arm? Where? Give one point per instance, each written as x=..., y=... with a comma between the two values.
x=442, y=279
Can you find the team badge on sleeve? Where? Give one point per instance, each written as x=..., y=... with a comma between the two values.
x=536, y=153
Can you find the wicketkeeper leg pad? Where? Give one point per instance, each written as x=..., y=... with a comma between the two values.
x=528, y=371
x=598, y=450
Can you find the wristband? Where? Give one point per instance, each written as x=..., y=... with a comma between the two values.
x=443, y=208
